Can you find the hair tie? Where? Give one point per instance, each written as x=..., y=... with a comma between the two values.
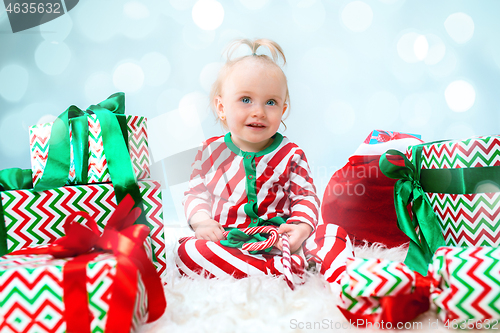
x=254, y=54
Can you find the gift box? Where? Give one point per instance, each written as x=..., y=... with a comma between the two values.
x=366, y=286
x=462, y=183
x=95, y=160
x=32, y=218
x=462, y=283
x=88, y=280
x=32, y=298
x=466, y=286
x=452, y=190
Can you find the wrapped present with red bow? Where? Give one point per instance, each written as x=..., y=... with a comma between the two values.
x=463, y=283
x=447, y=193
x=82, y=144
x=86, y=281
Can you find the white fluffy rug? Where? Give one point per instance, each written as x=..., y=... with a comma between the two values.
x=262, y=304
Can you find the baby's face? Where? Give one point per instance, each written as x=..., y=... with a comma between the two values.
x=253, y=102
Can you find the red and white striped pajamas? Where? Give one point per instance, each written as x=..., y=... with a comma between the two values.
x=211, y=259
x=244, y=189
x=329, y=247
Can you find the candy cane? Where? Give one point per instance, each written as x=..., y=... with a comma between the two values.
x=287, y=261
x=270, y=241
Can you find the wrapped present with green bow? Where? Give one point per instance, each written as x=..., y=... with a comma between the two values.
x=86, y=281
x=463, y=283
x=448, y=193
x=80, y=144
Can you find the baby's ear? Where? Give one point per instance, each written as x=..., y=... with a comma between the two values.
x=285, y=107
x=218, y=105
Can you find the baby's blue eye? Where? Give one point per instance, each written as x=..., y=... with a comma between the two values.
x=245, y=100
x=271, y=102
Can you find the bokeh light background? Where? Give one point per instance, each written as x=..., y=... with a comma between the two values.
x=425, y=67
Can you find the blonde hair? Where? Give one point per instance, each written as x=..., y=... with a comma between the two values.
x=276, y=53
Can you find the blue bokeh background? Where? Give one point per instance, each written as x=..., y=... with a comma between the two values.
x=424, y=67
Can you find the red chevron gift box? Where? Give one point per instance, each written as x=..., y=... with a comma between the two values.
x=30, y=218
x=88, y=140
x=76, y=285
x=370, y=287
x=32, y=298
x=463, y=283
x=453, y=189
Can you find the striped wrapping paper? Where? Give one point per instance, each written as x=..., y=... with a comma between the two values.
x=462, y=282
x=97, y=165
x=31, y=293
x=471, y=219
x=36, y=218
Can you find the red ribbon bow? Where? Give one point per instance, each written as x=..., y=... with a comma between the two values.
x=125, y=240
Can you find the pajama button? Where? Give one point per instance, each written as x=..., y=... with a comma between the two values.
x=251, y=201
x=250, y=176
x=249, y=156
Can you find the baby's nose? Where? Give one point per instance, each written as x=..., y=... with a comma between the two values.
x=258, y=111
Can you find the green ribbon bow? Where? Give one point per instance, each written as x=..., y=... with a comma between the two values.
x=409, y=190
x=15, y=179
x=11, y=179
x=110, y=114
x=411, y=187
x=237, y=238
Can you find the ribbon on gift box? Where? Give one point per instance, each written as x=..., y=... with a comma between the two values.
x=125, y=240
x=462, y=282
x=114, y=140
x=379, y=136
x=424, y=231
x=11, y=179
x=409, y=190
x=114, y=135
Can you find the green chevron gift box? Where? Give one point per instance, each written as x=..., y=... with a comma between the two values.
x=462, y=282
x=30, y=218
x=453, y=187
x=32, y=295
x=87, y=145
x=462, y=182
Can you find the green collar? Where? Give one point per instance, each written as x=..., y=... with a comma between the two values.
x=277, y=141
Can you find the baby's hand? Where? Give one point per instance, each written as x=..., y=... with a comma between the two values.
x=208, y=229
x=297, y=234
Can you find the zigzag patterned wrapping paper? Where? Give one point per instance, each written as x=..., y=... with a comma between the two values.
x=37, y=218
x=464, y=284
x=366, y=280
x=97, y=164
x=466, y=219
x=31, y=293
